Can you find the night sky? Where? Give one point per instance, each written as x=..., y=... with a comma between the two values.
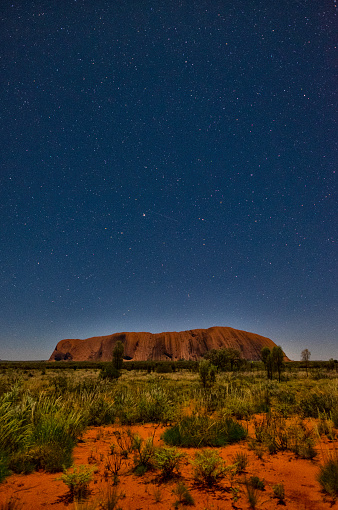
x=167, y=166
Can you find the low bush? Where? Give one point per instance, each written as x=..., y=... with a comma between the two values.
x=99, y=411
x=209, y=467
x=200, y=431
x=144, y=452
x=150, y=405
x=77, y=480
x=328, y=476
x=50, y=457
x=164, y=368
x=279, y=492
x=168, y=460
x=301, y=441
x=110, y=372
x=325, y=427
x=315, y=404
x=257, y=483
x=273, y=433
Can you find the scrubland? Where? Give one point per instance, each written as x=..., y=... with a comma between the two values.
x=163, y=440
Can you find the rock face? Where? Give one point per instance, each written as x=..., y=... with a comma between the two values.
x=169, y=346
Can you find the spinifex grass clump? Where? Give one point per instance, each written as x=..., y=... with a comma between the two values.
x=273, y=433
x=184, y=496
x=252, y=494
x=328, y=476
x=153, y=404
x=240, y=460
x=198, y=431
x=38, y=432
x=279, y=493
x=256, y=482
x=315, y=404
x=98, y=406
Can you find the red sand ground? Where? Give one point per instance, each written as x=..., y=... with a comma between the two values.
x=40, y=491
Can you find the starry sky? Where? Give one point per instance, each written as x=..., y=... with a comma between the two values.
x=167, y=166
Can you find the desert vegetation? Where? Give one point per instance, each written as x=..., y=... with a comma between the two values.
x=184, y=428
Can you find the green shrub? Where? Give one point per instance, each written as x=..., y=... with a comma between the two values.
x=50, y=457
x=257, y=483
x=164, y=368
x=325, y=427
x=272, y=432
x=144, y=452
x=279, y=492
x=199, y=431
x=207, y=372
x=38, y=432
x=328, y=476
x=301, y=441
x=77, y=480
x=168, y=460
x=110, y=372
x=275, y=435
x=149, y=405
x=99, y=410
x=208, y=466
x=315, y=404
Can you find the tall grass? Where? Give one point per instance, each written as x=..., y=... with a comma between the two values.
x=42, y=414
x=200, y=430
x=38, y=433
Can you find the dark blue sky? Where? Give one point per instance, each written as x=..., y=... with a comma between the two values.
x=167, y=166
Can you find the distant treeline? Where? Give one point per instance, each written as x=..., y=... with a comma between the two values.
x=158, y=366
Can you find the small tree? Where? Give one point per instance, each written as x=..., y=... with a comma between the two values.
x=234, y=357
x=224, y=359
x=277, y=355
x=267, y=360
x=207, y=372
x=118, y=355
x=305, y=356
x=331, y=364
x=113, y=369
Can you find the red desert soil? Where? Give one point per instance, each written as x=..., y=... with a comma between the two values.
x=171, y=345
x=302, y=491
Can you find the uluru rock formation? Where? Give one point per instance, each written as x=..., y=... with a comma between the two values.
x=169, y=346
